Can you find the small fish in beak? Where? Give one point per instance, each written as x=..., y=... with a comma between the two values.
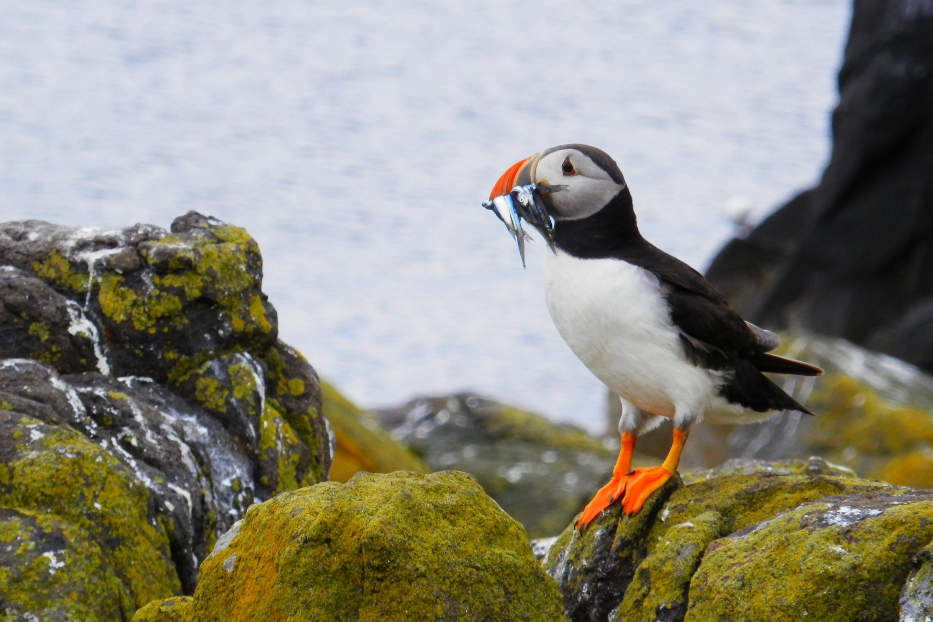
x=524, y=202
x=504, y=207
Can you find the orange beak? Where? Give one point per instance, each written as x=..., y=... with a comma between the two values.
x=507, y=181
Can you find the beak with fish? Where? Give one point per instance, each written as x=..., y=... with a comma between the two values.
x=525, y=201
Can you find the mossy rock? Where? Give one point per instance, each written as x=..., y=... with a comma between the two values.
x=391, y=547
x=650, y=566
x=76, y=539
x=539, y=471
x=361, y=442
x=876, y=437
x=839, y=558
x=159, y=349
x=175, y=609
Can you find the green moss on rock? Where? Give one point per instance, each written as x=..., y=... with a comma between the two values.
x=395, y=547
x=64, y=489
x=646, y=567
x=877, y=438
x=57, y=269
x=280, y=452
x=175, y=609
x=841, y=558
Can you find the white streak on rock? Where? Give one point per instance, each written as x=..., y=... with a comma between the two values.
x=81, y=324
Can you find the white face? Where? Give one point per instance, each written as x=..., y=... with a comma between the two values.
x=588, y=187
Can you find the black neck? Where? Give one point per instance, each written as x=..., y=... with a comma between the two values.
x=603, y=234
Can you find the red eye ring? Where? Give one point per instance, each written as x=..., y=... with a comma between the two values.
x=567, y=167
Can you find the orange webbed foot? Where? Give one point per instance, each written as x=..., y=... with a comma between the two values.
x=605, y=497
x=641, y=483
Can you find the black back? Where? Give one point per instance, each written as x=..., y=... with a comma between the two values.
x=712, y=333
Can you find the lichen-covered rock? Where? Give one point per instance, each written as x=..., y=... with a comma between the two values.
x=840, y=558
x=175, y=609
x=160, y=350
x=390, y=547
x=78, y=541
x=362, y=443
x=540, y=472
x=748, y=542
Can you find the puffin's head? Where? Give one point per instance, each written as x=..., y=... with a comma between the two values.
x=584, y=180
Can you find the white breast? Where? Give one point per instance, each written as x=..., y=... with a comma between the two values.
x=613, y=316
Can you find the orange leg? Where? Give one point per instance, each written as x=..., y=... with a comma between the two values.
x=643, y=482
x=616, y=486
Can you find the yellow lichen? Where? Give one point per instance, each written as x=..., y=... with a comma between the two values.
x=40, y=330
x=210, y=394
x=56, y=269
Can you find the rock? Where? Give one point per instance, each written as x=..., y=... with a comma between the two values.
x=752, y=541
x=159, y=351
x=401, y=546
x=538, y=471
x=916, y=601
x=361, y=442
x=77, y=538
x=845, y=258
x=175, y=609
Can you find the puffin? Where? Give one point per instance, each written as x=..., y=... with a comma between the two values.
x=646, y=324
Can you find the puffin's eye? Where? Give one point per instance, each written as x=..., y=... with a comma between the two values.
x=567, y=167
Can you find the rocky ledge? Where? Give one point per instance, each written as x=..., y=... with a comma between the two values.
x=754, y=540
x=145, y=403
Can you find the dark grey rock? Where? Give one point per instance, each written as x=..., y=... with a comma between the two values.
x=853, y=257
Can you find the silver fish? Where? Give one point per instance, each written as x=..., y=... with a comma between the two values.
x=524, y=203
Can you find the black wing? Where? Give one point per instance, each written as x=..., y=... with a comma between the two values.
x=713, y=334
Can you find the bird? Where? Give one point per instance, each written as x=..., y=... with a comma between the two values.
x=645, y=323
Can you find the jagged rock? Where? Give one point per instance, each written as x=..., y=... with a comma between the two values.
x=361, y=442
x=750, y=541
x=395, y=547
x=159, y=350
x=853, y=257
x=538, y=471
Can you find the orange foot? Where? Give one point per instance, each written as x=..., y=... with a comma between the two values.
x=641, y=483
x=602, y=500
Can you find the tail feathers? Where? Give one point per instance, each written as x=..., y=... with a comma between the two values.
x=765, y=361
x=751, y=389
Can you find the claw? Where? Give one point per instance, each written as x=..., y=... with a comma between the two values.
x=606, y=496
x=641, y=484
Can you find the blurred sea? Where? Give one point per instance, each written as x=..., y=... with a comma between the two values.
x=355, y=142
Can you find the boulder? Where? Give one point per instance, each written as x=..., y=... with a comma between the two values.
x=395, y=547
x=156, y=353
x=362, y=444
x=752, y=540
x=853, y=257
x=540, y=472
x=78, y=537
